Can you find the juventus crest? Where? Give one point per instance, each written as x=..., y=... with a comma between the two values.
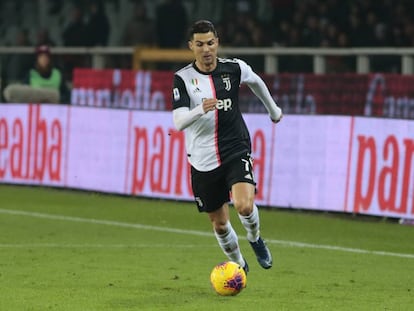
x=227, y=83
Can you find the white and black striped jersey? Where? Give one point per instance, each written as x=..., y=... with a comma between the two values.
x=216, y=137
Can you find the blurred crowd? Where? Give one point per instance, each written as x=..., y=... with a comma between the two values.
x=321, y=23
x=240, y=23
x=294, y=23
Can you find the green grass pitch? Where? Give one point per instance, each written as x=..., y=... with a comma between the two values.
x=69, y=250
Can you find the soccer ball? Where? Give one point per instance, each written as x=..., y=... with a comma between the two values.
x=228, y=278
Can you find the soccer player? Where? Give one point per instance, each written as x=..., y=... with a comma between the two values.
x=205, y=106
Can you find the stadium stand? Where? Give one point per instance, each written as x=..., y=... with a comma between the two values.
x=242, y=22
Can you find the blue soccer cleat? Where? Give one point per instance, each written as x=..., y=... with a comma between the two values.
x=246, y=266
x=263, y=255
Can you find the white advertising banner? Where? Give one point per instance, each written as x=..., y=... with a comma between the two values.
x=332, y=163
x=156, y=162
x=381, y=169
x=97, y=142
x=33, y=144
x=310, y=162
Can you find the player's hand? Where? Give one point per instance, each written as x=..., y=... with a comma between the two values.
x=277, y=120
x=279, y=116
x=209, y=104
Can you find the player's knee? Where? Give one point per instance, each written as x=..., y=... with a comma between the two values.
x=220, y=227
x=244, y=206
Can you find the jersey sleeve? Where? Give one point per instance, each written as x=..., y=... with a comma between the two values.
x=259, y=88
x=182, y=115
x=246, y=72
x=180, y=96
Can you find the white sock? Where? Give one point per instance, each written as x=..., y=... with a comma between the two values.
x=252, y=224
x=229, y=243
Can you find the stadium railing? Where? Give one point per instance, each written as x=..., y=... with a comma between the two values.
x=270, y=55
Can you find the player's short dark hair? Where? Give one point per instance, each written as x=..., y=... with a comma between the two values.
x=201, y=26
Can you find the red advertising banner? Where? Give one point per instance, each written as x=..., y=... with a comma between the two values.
x=381, y=95
x=115, y=88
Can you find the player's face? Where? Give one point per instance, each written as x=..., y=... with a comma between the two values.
x=204, y=47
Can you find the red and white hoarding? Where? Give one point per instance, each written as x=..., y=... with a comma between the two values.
x=331, y=163
x=374, y=94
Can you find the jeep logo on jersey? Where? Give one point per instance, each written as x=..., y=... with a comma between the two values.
x=224, y=104
x=227, y=83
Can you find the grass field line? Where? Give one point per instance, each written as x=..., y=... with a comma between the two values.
x=195, y=232
x=88, y=245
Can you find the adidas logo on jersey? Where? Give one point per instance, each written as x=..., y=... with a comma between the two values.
x=248, y=176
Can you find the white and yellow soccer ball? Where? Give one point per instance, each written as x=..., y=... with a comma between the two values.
x=228, y=278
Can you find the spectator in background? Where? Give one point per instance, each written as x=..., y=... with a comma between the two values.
x=311, y=36
x=55, y=6
x=74, y=34
x=44, y=75
x=240, y=27
x=282, y=9
x=357, y=32
x=44, y=83
x=140, y=29
x=282, y=33
x=97, y=25
x=43, y=38
x=16, y=65
x=171, y=24
x=258, y=36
